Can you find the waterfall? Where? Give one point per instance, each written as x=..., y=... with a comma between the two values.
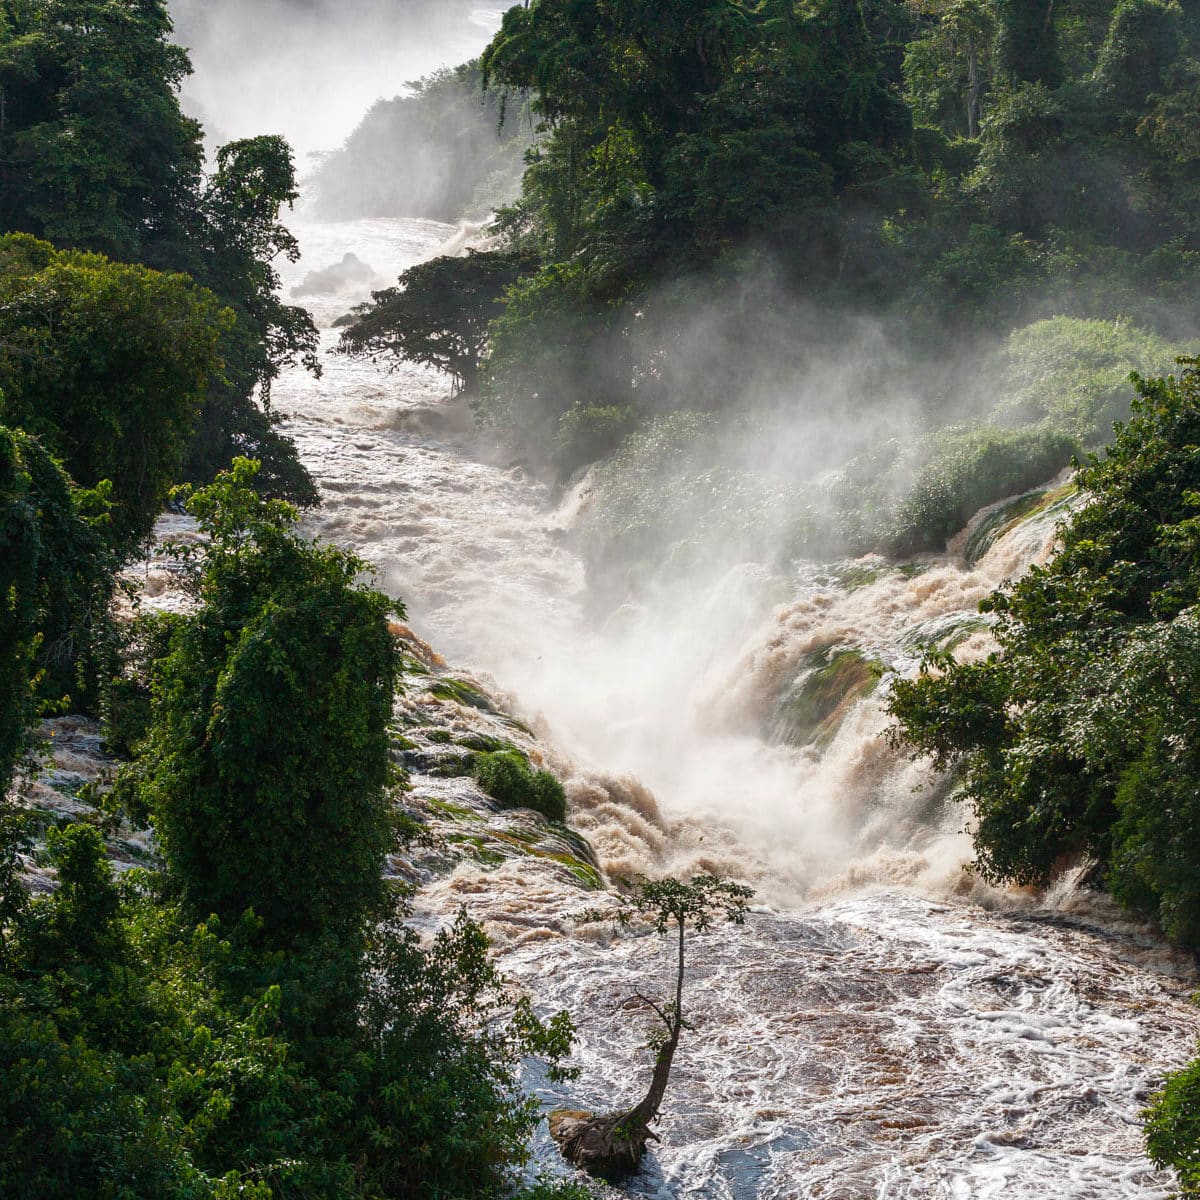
x=886, y=1024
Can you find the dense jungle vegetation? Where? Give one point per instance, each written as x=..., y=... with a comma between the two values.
x=1080, y=734
x=962, y=166
x=252, y=1018
x=712, y=184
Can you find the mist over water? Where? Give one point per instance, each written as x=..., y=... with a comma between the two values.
x=310, y=69
x=886, y=1025
x=889, y=1026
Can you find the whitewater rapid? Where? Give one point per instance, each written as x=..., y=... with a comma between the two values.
x=885, y=1025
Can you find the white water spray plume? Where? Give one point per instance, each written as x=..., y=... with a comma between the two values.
x=891, y=1026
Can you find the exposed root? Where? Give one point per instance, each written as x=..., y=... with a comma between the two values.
x=609, y=1146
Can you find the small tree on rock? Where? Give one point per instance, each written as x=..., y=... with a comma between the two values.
x=613, y=1144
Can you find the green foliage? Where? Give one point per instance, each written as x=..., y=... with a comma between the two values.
x=673, y=905
x=439, y=1112
x=1078, y=735
x=556, y=1190
x=587, y=433
x=55, y=579
x=507, y=777
x=236, y=239
x=949, y=66
x=1173, y=1127
x=438, y=315
x=288, y=817
x=905, y=497
x=1144, y=41
x=1078, y=160
x=1027, y=42
x=1073, y=375
x=108, y=365
x=94, y=151
x=261, y=1020
x=551, y=349
x=672, y=135
x=1052, y=170
x=985, y=273
x=135, y=1064
x=95, y=154
x=126, y=1069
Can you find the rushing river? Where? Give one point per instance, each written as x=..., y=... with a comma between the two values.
x=885, y=1025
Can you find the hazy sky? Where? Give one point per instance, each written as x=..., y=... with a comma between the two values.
x=310, y=69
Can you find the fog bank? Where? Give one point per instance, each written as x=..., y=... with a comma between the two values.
x=310, y=69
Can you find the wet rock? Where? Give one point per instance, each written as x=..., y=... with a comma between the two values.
x=610, y=1146
x=338, y=277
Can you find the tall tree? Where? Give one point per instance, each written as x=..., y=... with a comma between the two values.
x=236, y=238
x=290, y=818
x=642, y=65
x=94, y=151
x=96, y=154
x=948, y=68
x=109, y=364
x=437, y=315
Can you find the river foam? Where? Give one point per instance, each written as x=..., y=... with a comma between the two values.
x=885, y=1025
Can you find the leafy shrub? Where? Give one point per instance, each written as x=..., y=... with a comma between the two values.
x=559, y=1189
x=911, y=496
x=286, y=816
x=437, y=1110
x=108, y=364
x=55, y=579
x=126, y=1070
x=507, y=777
x=1074, y=374
x=1173, y=1127
x=146, y=1055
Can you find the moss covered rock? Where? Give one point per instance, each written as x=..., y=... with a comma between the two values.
x=508, y=778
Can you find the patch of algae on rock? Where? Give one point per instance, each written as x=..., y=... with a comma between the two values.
x=444, y=723
x=832, y=679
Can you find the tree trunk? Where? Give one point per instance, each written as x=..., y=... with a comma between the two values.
x=468, y=374
x=612, y=1145
x=972, y=89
